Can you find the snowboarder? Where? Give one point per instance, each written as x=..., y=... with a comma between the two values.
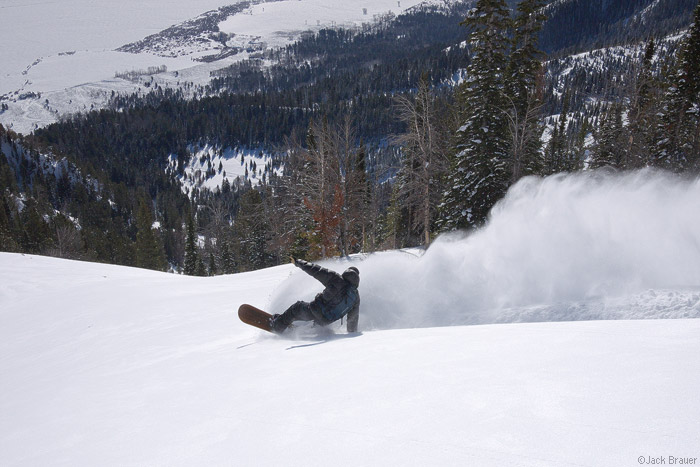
x=338, y=299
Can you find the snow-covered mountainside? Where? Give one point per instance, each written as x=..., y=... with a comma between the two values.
x=208, y=167
x=46, y=164
x=70, y=56
x=107, y=365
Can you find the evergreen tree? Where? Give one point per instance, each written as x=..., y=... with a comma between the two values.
x=8, y=182
x=561, y=148
x=192, y=259
x=200, y=270
x=395, y=229
x=212, y=269
x=228, y=265
x=642, y=114
x=362, y=199
x=36, y=236
x=552, y=152
x=7, y=217
x=250, y=232
x=560, y=156
x=680, y=148
x=480, y=172
x=579, y=151
x=610, y=146
x=149, y=251
x=392, y=221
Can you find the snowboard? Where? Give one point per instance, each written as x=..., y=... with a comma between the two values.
x=255, y=317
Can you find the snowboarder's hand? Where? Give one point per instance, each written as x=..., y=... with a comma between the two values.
x=294, y=261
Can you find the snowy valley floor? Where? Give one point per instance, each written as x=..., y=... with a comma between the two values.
x=113, y=366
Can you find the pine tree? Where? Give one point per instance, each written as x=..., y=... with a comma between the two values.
x=642, y=112
x=610, y=149
x=149, y=251
x=228, y=265
x=552, y=152
x=212, y=269
x=679, y=150
x=560, y=156
x=191, y=251
x=7, y=240
x=578, y=149
x=250, y=232
x=200, y=270
x=392, y=222
x=362, y=197
x=480, y=172
x=36, y=236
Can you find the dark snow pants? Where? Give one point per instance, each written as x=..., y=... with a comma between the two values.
x=302, y=311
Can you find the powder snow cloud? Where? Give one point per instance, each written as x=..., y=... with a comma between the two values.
x=565, y=247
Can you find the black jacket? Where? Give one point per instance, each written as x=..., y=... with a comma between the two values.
x=340, y=296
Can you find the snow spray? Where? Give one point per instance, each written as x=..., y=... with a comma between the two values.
x=558, y=244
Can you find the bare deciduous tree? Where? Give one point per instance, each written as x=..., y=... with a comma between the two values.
x=525, y=133
x=426, y=161
x=68, y=241
x=327, y=188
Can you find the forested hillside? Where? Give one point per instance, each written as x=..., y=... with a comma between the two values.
x=376, y=137
x=575, y=26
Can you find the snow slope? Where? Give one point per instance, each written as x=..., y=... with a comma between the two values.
x=275, y=22
x=107, y=365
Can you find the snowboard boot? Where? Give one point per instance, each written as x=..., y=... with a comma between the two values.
x=277, y=324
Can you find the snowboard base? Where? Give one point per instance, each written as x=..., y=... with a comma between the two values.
x=255, y=317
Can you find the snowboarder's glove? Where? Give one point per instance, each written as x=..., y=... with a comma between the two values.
x=293, y=259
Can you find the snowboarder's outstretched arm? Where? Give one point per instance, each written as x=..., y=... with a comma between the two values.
x=319, y=273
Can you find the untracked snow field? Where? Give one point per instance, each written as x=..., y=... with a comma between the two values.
x=114, y=366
